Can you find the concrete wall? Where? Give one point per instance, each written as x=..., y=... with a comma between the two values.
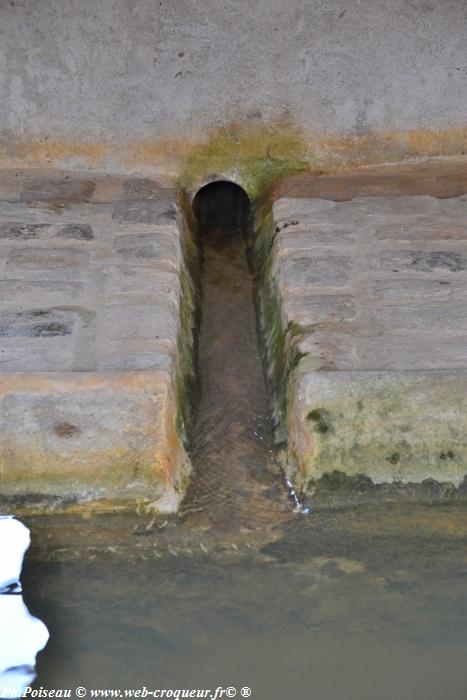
x=121, y=70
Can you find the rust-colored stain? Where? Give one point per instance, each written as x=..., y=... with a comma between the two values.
x=336, y=151
x=70, y=382
x=168, y=157
x=159, y=461
x=50, y=152
x=66, y=430
x=436, y=177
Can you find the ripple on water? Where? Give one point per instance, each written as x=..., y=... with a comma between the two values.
x=235, y=482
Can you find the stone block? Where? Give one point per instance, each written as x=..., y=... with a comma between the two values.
x=47, y=258
x=74, y=438
x=388, y=426
x=90, y=372
x=371, y=297
x=146, y=211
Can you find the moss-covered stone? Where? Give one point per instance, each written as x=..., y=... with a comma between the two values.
x=186, y=361
x=336, y=405
x=410, y=426
x=254, y=156
x=281, y=339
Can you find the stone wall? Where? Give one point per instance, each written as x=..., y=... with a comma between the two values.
x=139, y=84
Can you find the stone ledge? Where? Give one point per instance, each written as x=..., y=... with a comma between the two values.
x=369, y=347
x=389, y=426
x=82, y=437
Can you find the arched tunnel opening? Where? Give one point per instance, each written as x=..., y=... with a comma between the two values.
x=234, y=480
x=222, y=206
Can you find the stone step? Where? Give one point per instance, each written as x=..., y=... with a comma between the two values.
x=90, y=298
x=372, y=296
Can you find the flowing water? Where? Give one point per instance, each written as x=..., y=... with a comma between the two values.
x=236, y=482
x=361, y=600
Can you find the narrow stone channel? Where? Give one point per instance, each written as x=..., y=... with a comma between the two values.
x=235, y=482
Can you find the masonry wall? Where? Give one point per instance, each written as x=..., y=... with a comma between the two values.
x=118, y=71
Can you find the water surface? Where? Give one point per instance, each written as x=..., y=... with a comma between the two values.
x=363, y=603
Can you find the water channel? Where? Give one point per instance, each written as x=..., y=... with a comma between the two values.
x=236, y=482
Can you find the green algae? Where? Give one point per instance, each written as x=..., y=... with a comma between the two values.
x=281, y=340
x=374, y=440
x=321, y=419
x=382, y=428
x=186, y=366
x=254, y=156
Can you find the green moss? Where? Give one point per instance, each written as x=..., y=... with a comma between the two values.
x=186, y=371
x=321, y=420
x=281, y=341
x=337, y=482
x=252, y=155
x=448, y=454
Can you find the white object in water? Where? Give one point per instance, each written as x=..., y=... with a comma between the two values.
x=14, y=541
x=22, y=636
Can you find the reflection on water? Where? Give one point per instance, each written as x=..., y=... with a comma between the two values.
x=22, y=636
x=358, y=604
x=14, y=541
